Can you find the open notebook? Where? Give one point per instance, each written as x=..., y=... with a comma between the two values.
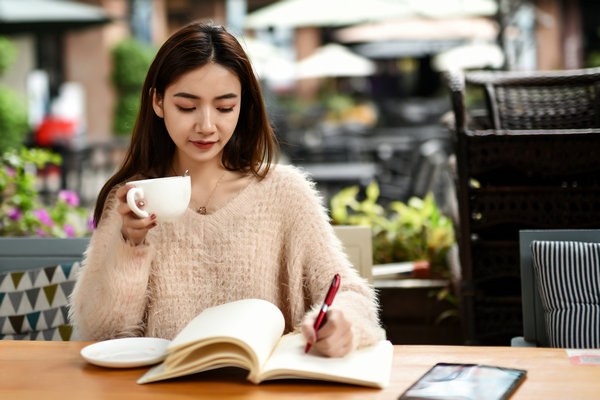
x=248, y=334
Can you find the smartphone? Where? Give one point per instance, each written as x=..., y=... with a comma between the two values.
x=465, y=382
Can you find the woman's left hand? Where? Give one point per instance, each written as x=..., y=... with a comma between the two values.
x=334, y=338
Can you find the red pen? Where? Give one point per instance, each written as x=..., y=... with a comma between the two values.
x=335, y=284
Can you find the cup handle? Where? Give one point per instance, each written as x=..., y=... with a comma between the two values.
x=133, y=195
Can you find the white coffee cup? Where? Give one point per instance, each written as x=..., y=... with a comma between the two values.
x=167, y=198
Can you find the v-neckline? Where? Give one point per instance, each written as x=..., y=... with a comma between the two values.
x=231, y=203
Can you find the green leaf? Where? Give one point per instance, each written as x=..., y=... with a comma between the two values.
x=8, y=53
x=372, y=191
x=340, y=203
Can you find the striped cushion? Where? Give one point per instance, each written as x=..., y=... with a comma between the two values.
x=568, y=278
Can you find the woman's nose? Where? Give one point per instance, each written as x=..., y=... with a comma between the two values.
x=205, y=122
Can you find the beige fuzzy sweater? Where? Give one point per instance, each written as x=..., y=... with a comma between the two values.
x=272, y=241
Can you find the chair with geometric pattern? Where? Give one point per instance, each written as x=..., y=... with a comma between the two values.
x=37, y=275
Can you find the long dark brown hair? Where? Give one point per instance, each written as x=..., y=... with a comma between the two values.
x=252, y=147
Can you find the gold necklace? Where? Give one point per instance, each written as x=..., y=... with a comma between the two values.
x=202, y=209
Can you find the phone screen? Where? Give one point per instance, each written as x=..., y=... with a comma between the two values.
x=465, y=382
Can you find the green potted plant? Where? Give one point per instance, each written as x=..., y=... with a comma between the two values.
x=131, y=60
x=13, y=111
x=414, y=231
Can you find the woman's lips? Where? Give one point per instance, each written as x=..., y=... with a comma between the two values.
x=204, y=145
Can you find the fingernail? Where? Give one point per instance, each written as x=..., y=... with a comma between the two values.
x=155, y=224
x=153, y=217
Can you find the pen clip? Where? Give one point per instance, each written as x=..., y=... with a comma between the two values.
x=335, y=284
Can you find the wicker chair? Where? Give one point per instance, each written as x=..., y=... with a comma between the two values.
x=539, y=100
x=528, y=162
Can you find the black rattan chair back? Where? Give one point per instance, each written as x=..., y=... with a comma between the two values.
x=541, y=100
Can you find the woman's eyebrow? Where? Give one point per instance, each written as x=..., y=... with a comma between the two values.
x=227, y=96
x=194, y=97
x=186, y=95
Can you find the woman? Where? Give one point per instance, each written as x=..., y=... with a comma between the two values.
x=254, y=229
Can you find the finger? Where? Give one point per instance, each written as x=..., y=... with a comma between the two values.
x=338, y=348
x=123, y=208
x=341, y=349
x=308, y=331
x=134, y=222
x=122, y=192
x=333, y=334
x=335, y=321
x=139, y=232
x=328, y=334
x=336, y=345
x=136, y=235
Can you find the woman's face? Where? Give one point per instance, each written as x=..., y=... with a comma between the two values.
x=200, y=111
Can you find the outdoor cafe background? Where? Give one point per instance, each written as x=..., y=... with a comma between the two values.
x=355, y=92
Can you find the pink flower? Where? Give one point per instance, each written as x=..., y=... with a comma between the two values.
x=41, y=233
x=70, y=197
x=44, y=217
x=69, y=230
x=10, y=171
x=15, y=214
x=91, y=225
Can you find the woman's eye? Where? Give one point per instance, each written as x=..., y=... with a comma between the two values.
x=225, y=110
x=185, y=109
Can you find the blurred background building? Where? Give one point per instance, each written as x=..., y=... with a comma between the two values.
x=70, y=41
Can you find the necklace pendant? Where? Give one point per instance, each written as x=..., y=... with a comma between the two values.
x=202, y=210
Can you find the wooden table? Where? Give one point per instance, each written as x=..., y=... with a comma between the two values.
x=55, y=370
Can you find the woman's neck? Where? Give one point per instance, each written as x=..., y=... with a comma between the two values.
x=199, y=172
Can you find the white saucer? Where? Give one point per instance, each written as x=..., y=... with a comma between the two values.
x=126, y=352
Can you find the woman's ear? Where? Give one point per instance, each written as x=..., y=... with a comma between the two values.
x=157, y=104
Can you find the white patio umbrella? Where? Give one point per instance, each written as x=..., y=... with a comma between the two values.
x=419, y=28
x=453, y=8
x=296, y=13
x=268, y=61
x=470, y=56
x=18, y=15
x=334, y=60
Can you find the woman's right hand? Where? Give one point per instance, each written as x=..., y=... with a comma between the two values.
x=134, y=229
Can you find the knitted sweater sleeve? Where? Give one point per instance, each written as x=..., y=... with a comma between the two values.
x=110, y=296
x=318, y=251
